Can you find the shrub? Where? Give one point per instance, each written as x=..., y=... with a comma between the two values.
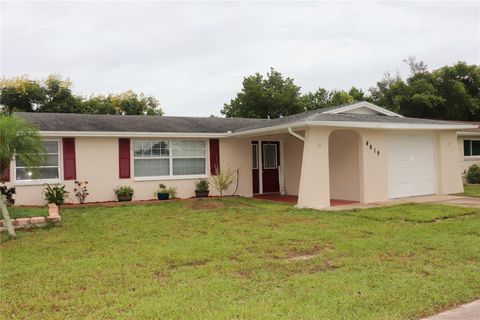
x=172, y=191
x=81, y=191
x=473, y=174
x=202, y=185
x=8, y=193
x=123, y=191
x=56, y=194
x=223, y=180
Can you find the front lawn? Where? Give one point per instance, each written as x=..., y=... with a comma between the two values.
x=237, y=258
x=471, y=190
x=27, y=212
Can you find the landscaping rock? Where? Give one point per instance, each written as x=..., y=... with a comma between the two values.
x=54, y=219
x=21, y=221
x=37, y=220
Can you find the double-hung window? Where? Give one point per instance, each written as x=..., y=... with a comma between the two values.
x=169, y=158
x=49, y=170
x=471, y=148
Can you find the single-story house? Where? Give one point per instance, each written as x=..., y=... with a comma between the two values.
x=358, y=152
x=469, y=146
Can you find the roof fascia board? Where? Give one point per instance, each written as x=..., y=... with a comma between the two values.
x=364, y=105
x=132, y=134
x=354, y=124
x=467, y=133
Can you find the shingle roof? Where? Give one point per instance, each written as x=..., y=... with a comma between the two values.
x=318, y=115
x=118, y=123
x=159, y=124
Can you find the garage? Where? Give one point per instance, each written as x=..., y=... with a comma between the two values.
x=411, y=165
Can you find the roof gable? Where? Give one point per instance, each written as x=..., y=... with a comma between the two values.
x=362, y=107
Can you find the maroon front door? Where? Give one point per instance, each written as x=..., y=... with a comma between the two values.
x=255, y=176
x=270, y=162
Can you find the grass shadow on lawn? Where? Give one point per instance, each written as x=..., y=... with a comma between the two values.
x=242, y=258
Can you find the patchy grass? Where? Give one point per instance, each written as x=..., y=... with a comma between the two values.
x=237, y=258
x=27, y=212
x=471, y=190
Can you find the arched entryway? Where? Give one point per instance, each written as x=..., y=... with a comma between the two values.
x=344, y=165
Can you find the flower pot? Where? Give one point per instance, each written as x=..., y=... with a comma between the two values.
x=162, y=195
x=124, y=197
x=53, y=210
x=201, y=194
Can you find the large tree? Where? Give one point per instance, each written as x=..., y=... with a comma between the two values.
x=18, y=138
x=449, y=93
x=274, y=96
x=262, y=97
x=54, y=94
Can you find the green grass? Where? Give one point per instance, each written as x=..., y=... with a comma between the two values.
x=235, y=259
x=471, y=190
x=27, y=212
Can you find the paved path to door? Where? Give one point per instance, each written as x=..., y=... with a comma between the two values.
x=469, y=311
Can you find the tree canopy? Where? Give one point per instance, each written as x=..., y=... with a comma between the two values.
x=54, y=94
x=450, y=92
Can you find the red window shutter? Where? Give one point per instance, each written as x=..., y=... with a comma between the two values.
x=214, y=156
x=124, y=158
x=69, y=160
x=5, y=173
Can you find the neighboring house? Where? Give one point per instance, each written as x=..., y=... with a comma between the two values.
x=359, y=152
x=469, y=146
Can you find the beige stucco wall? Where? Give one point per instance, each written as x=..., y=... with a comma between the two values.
x=343, y=152
x=374, y=173
x=97, y=163
x=449, y=177
x=235, y=154
x=292, y=163
x=466, y=162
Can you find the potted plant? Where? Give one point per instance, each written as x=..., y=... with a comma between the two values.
x=124, y=193
x=162, y=192
x=201, y=188
x=55, y=196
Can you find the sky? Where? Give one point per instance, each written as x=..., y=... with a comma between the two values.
x=193, y=56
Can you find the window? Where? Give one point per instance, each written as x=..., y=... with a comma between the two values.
x=160, y=158
x=270, y=156
x=471, y=148
x=49, y=170
x=255, y=156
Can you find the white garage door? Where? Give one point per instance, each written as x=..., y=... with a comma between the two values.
x=411, y=165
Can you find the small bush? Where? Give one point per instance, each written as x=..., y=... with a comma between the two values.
x=202, y=185
x=8, y=193
x=56, y=194
x=172, y=191
x=124, y=191
x=223, y=180
x=81, y=191
x=473, y=174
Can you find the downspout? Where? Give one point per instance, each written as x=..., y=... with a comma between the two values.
x=296, y=135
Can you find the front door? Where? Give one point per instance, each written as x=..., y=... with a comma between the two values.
x=270, y=163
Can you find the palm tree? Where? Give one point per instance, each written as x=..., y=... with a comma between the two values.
x=18, y=138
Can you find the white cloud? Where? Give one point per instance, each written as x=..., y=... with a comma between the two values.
x=193, y=56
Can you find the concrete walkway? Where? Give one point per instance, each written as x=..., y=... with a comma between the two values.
x=451, y=200
x=469, y=311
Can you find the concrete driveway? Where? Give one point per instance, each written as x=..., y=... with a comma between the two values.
x=469, y=311
x=451, y=200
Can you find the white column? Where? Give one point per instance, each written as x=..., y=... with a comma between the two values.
x=315, y=180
